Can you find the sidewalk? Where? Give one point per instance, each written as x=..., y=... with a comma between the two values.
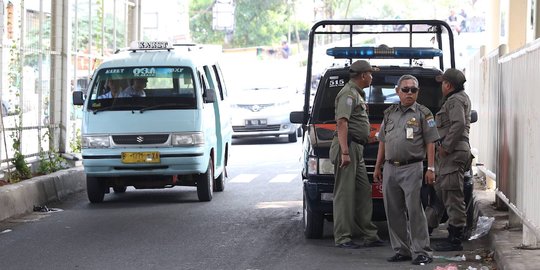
x=19, y=199
x=504, y=242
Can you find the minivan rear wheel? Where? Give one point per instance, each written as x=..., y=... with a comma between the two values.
x=219, y=183
x=119, y=189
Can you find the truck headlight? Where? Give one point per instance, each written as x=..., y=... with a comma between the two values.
x=187, y=139
x=320, y=166
x=96, y=142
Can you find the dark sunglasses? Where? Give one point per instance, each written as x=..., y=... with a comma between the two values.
x=411, y=89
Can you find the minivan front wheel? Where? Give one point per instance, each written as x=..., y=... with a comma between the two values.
x=95, y=189
x=205, y=183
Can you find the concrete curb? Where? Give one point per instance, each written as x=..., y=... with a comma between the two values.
x=504, y=242
x=20, y=198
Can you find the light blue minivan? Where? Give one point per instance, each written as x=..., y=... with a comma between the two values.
x=156, y=116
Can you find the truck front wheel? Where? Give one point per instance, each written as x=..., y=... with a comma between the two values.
x=313, y=222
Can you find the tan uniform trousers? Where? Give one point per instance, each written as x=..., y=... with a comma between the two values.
x=404, y=212
x=449, y=189
x=352, y=203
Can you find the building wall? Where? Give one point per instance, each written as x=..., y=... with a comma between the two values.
x=48, y=49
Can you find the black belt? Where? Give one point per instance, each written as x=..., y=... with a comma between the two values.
x=362, y=142
x=352, y=139
x=401, y=163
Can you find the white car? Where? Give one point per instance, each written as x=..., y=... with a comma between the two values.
x=263, y=108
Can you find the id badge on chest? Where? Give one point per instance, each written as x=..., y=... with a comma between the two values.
x=409, y=132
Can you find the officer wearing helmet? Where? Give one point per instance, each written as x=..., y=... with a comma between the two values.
x=453, y=159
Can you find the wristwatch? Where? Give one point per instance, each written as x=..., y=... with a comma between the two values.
x=431, y=169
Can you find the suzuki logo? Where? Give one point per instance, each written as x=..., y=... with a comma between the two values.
x=140, y=139
x=255, y=108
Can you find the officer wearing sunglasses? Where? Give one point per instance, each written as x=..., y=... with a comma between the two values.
x=408, y=131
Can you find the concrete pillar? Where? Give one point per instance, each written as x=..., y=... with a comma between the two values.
x=531, y=30
x=60, y=43
x=134, y=25
x=536, y=20
x=517, y=24
x=493, y=25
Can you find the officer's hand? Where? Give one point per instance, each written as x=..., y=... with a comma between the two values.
x=345, y=161
x=377, y=175
x=430, y=177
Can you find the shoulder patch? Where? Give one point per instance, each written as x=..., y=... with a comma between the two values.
x=350, y=100
x=431, y=122
x=391, y=108
x=425, y=111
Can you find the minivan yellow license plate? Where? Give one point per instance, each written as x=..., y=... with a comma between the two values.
x=140, y=157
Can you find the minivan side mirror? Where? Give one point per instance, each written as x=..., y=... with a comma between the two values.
x=209, y=96
x=78, y=98
x=474, y=116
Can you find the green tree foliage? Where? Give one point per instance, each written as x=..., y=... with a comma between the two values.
x=260, y=22
x=200, y=13
x=257, y=22
x=99, y=17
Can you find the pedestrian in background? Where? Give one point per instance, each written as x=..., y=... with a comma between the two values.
x=408, y=131
x=352, y=203
x=285, y=50
x=453, y=159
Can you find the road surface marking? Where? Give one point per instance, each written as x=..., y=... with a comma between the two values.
x=283, y=178
x=243, y=178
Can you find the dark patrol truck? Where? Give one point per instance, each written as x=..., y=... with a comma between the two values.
x=422, y=48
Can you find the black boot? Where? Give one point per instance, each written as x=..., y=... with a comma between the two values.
x=453, y=242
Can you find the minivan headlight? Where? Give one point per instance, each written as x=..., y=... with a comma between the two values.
x=187, y=139
x=96, y=142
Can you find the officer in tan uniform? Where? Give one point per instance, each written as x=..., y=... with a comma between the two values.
x=408, y=131
x=453, y=159
x=352, y=205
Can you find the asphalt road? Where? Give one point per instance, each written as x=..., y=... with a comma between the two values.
x=256, y=223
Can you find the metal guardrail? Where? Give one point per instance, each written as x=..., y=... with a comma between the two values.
x=527, y=222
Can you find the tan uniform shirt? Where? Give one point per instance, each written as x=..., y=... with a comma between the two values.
x=350, y=105
x=454, y=122
x=406, y=131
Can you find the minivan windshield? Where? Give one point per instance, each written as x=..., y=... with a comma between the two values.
x=134, y=88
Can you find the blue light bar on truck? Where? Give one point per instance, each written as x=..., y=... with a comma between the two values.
x=384, y=52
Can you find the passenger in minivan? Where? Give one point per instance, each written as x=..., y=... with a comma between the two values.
x=136, y=89
x=113, y=88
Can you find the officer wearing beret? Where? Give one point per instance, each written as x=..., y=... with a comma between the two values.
x=407, y=133
x=352, y=205
x=453, y=159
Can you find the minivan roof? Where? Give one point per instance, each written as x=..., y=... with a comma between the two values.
x=188, y=55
